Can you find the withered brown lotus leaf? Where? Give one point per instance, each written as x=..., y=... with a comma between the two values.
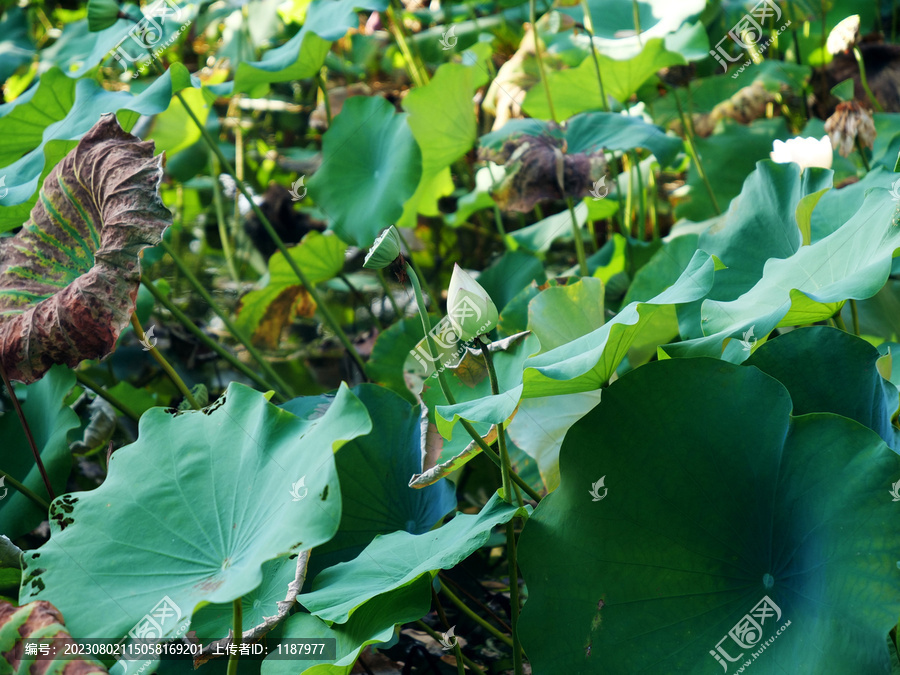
x=69, y=278
x=539, y=169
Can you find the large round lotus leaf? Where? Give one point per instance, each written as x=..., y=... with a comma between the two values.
x=723, y=502
x=827, y=370
x=371, y=165
x=374, y=473
x=50, y=420
x=192, y=510
x=398, y=559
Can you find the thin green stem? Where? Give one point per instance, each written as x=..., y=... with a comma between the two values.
x=457, y=650
x=238, y=628
x=426, y=329
x=629, y=193
x=27, y=429
x=579, y=242
x=224, y=235
x=36, y=499
x=637, y=20
x=854, y=311
x=362, y=301
x=641, y=197
x=390, y=296
x=229, y=324
x=589, y=28
x=513, y=594
x=418, y=270
x=164, y=364
x=417, y=72
x=321, y=82
x=862, y=155
x=462, y=607
x=839, y=322
x=864, y=81
x=651, y=197
x=283, y=395
x=506, y=468
x=279, y=243
x=470, y=664
x=113, y=400
x=540, y=59
x=695, y=156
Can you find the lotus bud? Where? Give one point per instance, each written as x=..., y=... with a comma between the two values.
x=844, y=36
x=806, y=152
x=102, y=14
x=384, y=251
x=469, y=307
x=849, y=122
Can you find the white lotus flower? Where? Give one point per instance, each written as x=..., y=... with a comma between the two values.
x=806, y=152
x=843, y=36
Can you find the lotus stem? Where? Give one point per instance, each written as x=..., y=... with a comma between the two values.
x=212, y=344
x=854, y=311
x=418, y=75
x=589, y=29
x=390, y=296
x=36, y=499
x=510, y=528
x=224, y=235
x=505, y=639
x=320, y=81
x=864, y=81
x=164, y=364
x=862, y=155
x=579, y=242
x=470, y=664
x=229, y=324
x=695, y=156
x=237, y=610
x=279, y=243
x=113, y=400
x=540, y=59
x=457, y=650
x=839, y=321
x=27, y=429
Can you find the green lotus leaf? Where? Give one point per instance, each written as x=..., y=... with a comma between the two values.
x=191, y=511
x=828, y=370
x=576, y=90
x=371, y=623
x=728, y=157
x=320, y=256
x=853, y=262
x=442, y=120
x=69, y=278
x=587, y=362
x=371, y=165
x=396, y=560
x=50, y=420
x=665, y=539
x=564, y=313
x=759, y=225
x=374, y=473
x=32, y=132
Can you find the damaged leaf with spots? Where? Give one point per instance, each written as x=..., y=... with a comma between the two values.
x=194, y=508
x=38, y=620
x=69, y=278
